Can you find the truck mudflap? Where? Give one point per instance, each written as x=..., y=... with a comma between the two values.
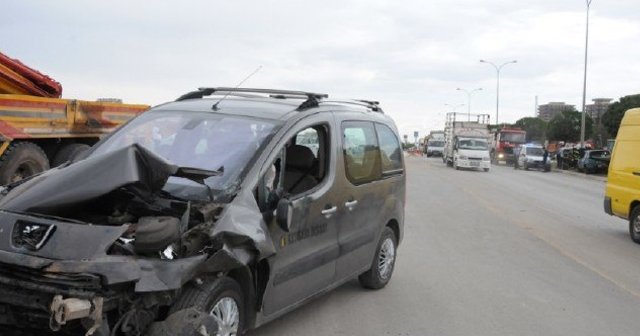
x=47, y=240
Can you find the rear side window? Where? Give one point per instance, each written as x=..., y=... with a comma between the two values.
x=389, y=150
x=361, y=152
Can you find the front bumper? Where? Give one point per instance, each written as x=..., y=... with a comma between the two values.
x=26, y=295
x=538, y=165
x=474, y=164
x=434, y=152
x=508, y=158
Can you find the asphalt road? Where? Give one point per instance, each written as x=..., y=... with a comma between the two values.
x=499, y=253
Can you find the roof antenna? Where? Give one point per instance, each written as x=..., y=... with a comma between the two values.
x=215, y=106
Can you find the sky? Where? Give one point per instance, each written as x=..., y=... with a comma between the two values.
x=409, y=55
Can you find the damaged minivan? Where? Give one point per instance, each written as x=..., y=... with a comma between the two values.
x=210, y=215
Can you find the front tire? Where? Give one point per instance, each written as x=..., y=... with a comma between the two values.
x=634, y=224
x=222, y=298
x=486, y=170
x=383, y=262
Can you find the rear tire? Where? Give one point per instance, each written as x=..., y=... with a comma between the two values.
x=486, y=170
x=68, y=152
x=383, y=262
x=221, y=297
x=21, y=160
x=634, y=224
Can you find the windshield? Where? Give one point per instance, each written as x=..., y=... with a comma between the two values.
x=194, y=139
x=473, y=144
x=435, y=143
x=535, y=151
x=512, y=137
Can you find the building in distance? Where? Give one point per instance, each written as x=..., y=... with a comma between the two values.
x=598, y=108
x=547, y=111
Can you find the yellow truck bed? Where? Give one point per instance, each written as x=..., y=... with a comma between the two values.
x=50, y=127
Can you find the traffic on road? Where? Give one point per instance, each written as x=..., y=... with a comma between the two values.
x=504, y=253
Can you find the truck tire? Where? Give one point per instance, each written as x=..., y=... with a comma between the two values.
x=68, y=152
x=222, y=297
x=634, y=224
x=21, y=160
x=383, y=262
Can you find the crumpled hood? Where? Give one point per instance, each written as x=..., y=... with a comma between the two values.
x=74, y=247
x=58, y=188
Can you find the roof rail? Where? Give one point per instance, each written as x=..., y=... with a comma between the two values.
x=312, y=98
x=373, y=105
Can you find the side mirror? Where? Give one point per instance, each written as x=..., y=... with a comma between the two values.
x=283, y=214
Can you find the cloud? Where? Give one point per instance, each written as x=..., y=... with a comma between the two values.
x=410, y=55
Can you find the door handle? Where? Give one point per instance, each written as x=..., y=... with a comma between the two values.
x=636, y=173
x=351, y=204
x=329, y=212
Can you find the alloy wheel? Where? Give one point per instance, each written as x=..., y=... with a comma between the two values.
x=386, y=258
x=227, y=315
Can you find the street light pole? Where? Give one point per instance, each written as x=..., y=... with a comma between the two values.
x=584, y=83
x=498, y=68
x=469, y=100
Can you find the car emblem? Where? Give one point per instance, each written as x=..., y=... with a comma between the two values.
x=31, y=236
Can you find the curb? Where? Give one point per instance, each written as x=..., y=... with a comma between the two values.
x=582, y=175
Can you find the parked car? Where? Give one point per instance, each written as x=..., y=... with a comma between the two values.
x=622, y=195
x=532, y=156
x=594, y=161
x=205, y=216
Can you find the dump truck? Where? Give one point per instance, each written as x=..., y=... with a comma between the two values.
x=505, y=140
x=39, y=130
x=466, y=143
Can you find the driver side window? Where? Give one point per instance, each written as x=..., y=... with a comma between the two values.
x=301, y=165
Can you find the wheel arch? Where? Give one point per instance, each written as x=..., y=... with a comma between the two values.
x=633, y=206
x=245, y=278
x=395, y=227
